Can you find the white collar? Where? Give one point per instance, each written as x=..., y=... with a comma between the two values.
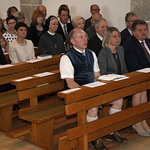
x=100, y=37
x=79, y=50
x=51, y=33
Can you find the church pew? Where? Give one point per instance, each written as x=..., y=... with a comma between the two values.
x=15, y=71
x=42, y=116
x=79, y=101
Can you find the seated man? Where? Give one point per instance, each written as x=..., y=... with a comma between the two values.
x=93, y=10
x=127, y=33
x=91, y=29
x=95, y=43
x=78, y=67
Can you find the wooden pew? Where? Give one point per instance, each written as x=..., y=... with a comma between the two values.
x=19, y=70
x=42, y=116
x=79, y=101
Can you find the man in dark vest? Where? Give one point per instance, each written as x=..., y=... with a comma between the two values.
x=78, y=67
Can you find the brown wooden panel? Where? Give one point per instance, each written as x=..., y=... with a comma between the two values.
x=38, y=107
x=22, y=66
x=37, y=91
x=35, y=81
x=106, y=98
x=45, y=114
x=89, y=92
x=108, y=121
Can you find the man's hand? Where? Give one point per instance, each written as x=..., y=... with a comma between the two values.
x=71, y=83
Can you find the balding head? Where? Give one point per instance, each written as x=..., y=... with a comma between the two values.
x=42, y=8
x=95, y=18
x=94, y=9
x=78, y=38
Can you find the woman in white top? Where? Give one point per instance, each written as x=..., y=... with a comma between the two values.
x=21, y=50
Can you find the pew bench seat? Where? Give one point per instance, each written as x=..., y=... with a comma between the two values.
x=7, y=100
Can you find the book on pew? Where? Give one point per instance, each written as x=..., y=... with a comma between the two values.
x=110, y=77
x=45, y=56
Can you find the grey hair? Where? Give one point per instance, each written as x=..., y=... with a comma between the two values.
x=97, y=22
x=18, y=14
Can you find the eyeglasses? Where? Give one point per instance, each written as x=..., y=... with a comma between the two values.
x=11, y=23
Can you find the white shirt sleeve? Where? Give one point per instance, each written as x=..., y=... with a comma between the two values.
x=96, y=67
x=66, y=68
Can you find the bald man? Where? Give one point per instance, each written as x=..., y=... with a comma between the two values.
x=91, y=29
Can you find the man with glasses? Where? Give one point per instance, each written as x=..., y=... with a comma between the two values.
x=93, y=10
x=127, y=33
x=78, y=67
x=10, y=34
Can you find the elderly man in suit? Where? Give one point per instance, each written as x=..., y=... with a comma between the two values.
x=127, y=33
x=95, y=43
x=64, y=27
x=137, y=56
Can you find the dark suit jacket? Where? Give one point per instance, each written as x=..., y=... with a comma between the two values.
x=125, y=35
x=2, y=57
x=91, y=31
x=135, y=56
x=95, y=44
x=60, y=30
x=33, y=35
x=107, y=62
x=87, y=23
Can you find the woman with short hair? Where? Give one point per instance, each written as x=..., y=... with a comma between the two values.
x=21, y=50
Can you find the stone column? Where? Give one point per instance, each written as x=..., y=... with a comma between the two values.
x=142, y=9
x=27, y=7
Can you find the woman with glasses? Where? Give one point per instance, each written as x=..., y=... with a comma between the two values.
x=21, y=50
x=37, y=28
x=10, y=34
x=51, y=42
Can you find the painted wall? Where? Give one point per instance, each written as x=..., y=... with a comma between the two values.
x=112, y=10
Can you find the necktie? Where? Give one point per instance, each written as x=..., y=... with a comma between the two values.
x=146, y=51
x=65, y=31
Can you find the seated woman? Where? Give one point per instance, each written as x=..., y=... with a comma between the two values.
x=10, y=34
x=4, y=44
x=51, y=42
x=21, y=49
x=111, y=61
x=37, y=28
x=2, y=28
x=78, y=22
x=10, y=12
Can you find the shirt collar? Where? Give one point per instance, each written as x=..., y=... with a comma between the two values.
x=51, y=33
x=100, y=37
x=79, y=50
x=129, y=31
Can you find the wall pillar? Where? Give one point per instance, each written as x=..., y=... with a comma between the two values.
x=27, y=7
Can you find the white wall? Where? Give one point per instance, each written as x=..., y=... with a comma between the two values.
x=5, y=4
x=112, y=10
